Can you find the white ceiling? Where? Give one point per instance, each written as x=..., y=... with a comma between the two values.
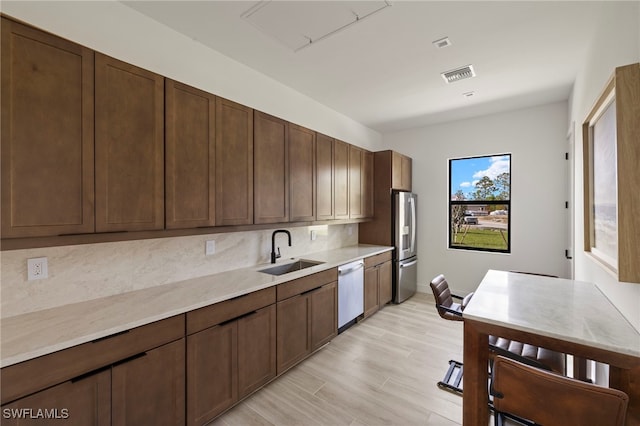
x=384, y=71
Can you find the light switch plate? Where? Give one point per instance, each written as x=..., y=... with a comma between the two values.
x=210, y=247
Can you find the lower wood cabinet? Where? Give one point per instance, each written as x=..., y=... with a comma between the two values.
x=229, y=361
x=212, y=372
x=131, y=378
x=305, y=323
x=85, y=401
x=377, y=282
x=149, y=388
x=184, y=369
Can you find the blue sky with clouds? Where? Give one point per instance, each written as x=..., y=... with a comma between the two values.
x=465, y=172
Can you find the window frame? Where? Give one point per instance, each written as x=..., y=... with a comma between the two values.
x=453, y=203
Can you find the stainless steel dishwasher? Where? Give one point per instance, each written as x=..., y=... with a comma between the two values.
x=350, y=293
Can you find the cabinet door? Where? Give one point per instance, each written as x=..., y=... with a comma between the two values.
x=234, y=163
x=324, y=314
x=341, y=179
x=47, y=134
x=406, y=172
x=293, y=332
x=129, y=139
x=271, y=169
x=212, y=372
x=370, y=290
x=384, y=283
x=324, y=177
x=355, y=182
x=302, y=173
x=367, y=183
x=82, y=402
x=150, y=389
x=256, y=350
x=189, y=156
x=401, y=172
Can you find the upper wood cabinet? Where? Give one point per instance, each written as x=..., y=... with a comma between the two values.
x=234, y=163
x=47, y=134
x=324, y=177
x=302, y=174
x=360, y=183
x=270, y=168
x=400, y=171
x=367, y=184
x=355, y=182
x=389, y=168
x=189, y=156
x=129, y=147
x=341, y=179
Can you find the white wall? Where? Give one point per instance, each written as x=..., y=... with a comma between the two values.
x=119, y=31
x=616, y=42
x=536, y=138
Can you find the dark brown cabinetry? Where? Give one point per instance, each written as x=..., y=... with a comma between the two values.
x=212, y=372
x=47, y=134
x=377, y=282
x=149, y=388
x=129, y=147
x=307, y=316
x=91, y=144
x=341, y=179
x=234, y=163
x=355, y=182
x=231, y=352
x=360, y=183
x=256, y=350
x=84, y=401
x=134, y=377
x=324, y=177
x=389, y=168
x=189, y=156
x=302, y=173
x=270, y=169
x=400, y=171
x=367, y=184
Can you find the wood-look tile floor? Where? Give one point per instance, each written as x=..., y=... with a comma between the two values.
x=382, y=371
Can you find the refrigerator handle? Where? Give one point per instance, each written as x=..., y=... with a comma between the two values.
x=413, y=224
x=405, y=265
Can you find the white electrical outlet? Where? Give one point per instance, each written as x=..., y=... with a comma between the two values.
x=37, y=268
x=210, y=247
x=313, y=235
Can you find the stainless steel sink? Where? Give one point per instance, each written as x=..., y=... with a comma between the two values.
x=290, y=267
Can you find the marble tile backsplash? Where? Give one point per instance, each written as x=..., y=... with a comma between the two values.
x=90, y=271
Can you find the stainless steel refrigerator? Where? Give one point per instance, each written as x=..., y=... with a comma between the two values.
x=405, y=271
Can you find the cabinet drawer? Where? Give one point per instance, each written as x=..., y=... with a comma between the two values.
x=295, y=287
x=220, y=312
x=377, y=259
x=31, y=376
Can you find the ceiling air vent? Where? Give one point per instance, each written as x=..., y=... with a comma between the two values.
x=459, y=74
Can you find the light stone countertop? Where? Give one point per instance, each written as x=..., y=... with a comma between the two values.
x=569, y=310
x=34, y=334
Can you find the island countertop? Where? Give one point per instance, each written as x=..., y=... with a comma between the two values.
x=30, y=335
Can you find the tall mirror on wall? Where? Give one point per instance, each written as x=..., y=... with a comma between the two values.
x=611, y=181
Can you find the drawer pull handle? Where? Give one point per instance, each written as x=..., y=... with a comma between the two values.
x=236, y=318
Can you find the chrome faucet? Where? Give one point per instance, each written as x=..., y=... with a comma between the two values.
x=275, y=256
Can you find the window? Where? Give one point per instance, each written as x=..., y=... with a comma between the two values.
x=480, y=203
